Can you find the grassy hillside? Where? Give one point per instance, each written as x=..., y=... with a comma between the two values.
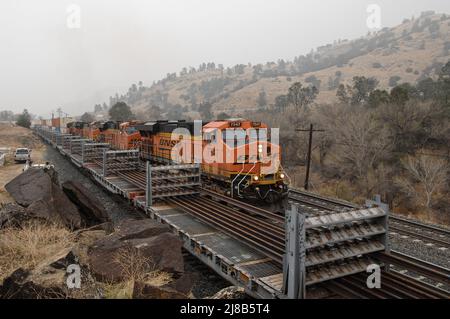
x=412, y=51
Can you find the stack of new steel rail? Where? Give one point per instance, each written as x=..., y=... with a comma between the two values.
x=437, y=274
x=261, y=229
x=415, y=229
x=265, y=232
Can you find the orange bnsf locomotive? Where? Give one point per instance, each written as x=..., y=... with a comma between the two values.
x=76, y=128
x=235, y=155
x=121, y=136
x=85, y=130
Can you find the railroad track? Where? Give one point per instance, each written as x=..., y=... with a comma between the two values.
x=427, y=233
x=393, y=286
x=410, y=266
x=319, y=202
x=400, y=282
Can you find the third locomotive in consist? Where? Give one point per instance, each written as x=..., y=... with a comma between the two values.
x=237, y=156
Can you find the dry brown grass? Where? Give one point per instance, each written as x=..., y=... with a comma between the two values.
x=32, y=244
x=122, y=290
x=135, y=268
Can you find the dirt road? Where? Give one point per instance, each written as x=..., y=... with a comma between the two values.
x=12, y=137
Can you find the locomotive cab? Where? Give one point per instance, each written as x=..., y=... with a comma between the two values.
x=251, y=163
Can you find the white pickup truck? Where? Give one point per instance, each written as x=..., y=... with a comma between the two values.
x=22, y=155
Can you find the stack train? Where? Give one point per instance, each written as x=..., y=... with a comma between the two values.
x=249, y=167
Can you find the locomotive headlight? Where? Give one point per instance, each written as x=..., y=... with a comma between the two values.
x=256, y=178
x=282, y=176
x=260, y=148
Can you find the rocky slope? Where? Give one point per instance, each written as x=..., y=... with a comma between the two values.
x=51, y=228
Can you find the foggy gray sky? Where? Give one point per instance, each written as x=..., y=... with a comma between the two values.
x=45, y=65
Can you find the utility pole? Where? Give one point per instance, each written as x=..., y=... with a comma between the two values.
x=308, y=161
x=59, y=119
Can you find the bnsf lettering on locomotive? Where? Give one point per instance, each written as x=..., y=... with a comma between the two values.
x=168, y=143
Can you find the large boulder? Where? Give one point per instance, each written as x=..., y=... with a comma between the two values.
x=32, y=185
x=183, y=284
x=13, y=215
x=92, y=209
x=139, y=228
x=19, y=286
x=148, y=241
x=51, y=211
x=38, y=190
x=84, y=239
x=48, y=279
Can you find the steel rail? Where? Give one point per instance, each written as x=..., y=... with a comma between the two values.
x=393, y=285
x=423, y=237
x=429, y=270
x=336, y=202
x=359, y=284
x=231, y=228
x=273, y=228
x=250, y=224
x=423, y=290
x=349, y=290
x=244, y=206
x=420, y=225
x=312, y=204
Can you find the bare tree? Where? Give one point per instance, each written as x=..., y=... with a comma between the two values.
x=409, y=124
x=361, y=144
x=427, y=175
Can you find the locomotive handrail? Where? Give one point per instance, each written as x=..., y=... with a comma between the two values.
x=254, y=164
x=232, y=182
